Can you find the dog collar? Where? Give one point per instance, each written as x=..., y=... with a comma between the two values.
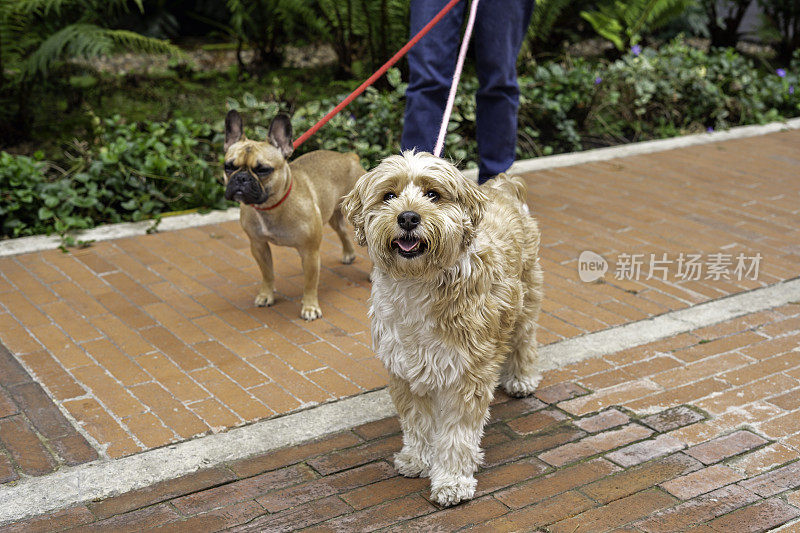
x=285, y=196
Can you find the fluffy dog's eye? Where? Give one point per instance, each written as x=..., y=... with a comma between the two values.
x=433, y=195
x=389, y=196
x=229, y=166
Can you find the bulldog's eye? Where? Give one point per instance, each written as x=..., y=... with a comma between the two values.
x=433, y=195
x=229, y=166
x=389, y=196
x=263, y=170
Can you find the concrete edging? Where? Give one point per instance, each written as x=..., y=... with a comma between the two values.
x=104, y=478
x=169, y=223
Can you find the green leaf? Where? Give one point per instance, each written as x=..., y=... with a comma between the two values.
x=249, y=100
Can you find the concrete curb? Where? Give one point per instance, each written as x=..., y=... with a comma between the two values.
x=38, y=243
x=662, y=326
x=101, y=479
x=104, y=478
x=169, y=223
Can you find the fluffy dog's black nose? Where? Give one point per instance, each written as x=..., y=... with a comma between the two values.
x=408, y=220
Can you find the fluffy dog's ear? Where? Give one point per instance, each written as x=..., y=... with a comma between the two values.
x=353, y=210
x=280, y=134
x=474, y=201
x=233, y=128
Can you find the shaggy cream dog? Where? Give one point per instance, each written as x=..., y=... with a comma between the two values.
x=456, y=292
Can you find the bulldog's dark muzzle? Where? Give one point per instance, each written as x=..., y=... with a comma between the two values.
x=243, y=187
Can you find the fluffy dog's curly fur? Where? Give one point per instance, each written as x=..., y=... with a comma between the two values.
x=455, y=299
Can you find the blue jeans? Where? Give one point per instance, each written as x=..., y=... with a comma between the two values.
x=500, y=27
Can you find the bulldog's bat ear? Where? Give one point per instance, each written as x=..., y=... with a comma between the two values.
x=233, y=128
x=280, y=134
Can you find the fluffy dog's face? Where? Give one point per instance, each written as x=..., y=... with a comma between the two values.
x=416, y=213
x=255, y=170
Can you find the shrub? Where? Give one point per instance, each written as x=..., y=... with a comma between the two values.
x=625, y=23
x=370, y=126
x=682, y=89
x=555, y=101
x=130, y=172
x=37, y=40
x=134, y=171
x=21, y=179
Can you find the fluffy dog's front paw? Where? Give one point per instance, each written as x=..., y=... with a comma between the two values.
x=348, y=258
x=310, y=312
x=410, y=464
x=519, y=387
x=453, y=490
x=264, y=299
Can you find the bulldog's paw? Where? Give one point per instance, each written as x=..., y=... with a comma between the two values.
x=310, y=312
x=264, y=299
x=521, y=386
x=452, y=490
x=409, y=463
x=348, y=258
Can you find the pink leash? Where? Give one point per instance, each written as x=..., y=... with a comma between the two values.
x=462, y=54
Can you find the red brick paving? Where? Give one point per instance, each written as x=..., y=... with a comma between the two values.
x=35, y=437
x=661, y=469
x=153, y=339
x=170, y=315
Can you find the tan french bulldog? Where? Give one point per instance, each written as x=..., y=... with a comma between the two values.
x=287, y=204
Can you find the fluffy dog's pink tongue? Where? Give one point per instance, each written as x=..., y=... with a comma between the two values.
x=407, y=245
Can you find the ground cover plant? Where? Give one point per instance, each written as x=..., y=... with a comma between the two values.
x=136, y=145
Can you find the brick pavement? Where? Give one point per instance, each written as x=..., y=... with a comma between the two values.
x=150, y=340
x=612, y=443
x=35, y=437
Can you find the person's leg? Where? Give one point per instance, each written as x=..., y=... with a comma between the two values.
x=431, y=63
x=500, y=27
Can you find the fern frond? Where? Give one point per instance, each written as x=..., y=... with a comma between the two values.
x=86, y=41
x=619, y=20
x=666, y=10
x=544, y=16
x=45, y=7
x=605, y=25
x=238, y=13
x=75, y=40
x=137, y=42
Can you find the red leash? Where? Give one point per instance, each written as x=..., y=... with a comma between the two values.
x=386, y=66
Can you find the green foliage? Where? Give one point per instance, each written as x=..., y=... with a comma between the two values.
x=39, y=36
x=370, y=125
x=134, y=171
x=83, y=40
x=131, y=172
x=377, y=27
x=783, y=18
x=21, y=179
x=266, y=26
x=55, y=30
x=624, y=22
x=554, y=103
x=675, y=90
x=544, y=16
